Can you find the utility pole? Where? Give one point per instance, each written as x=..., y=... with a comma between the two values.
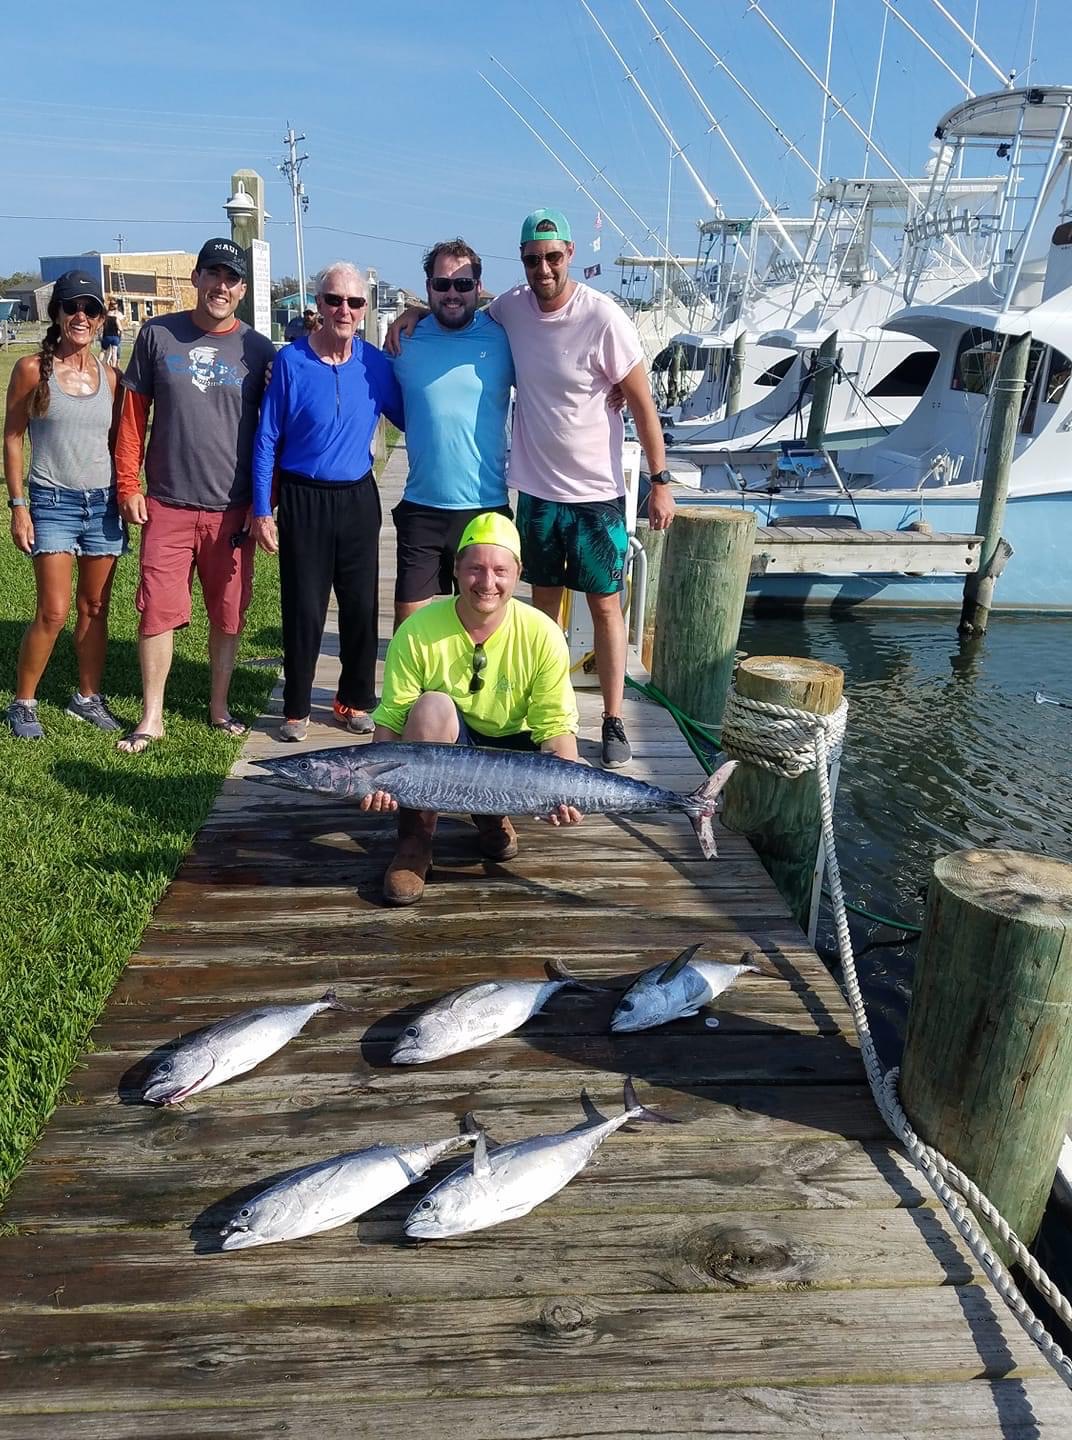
x=291, y=169
x=119, y=242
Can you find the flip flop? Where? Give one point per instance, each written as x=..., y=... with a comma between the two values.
x=230, y=726
x=136, y=743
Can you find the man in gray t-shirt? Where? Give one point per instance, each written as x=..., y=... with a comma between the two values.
x=201, y=373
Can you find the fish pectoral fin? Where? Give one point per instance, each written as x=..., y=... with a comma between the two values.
x=473, y=993
x=674, y=969
x=384, y=767
x=481, y=1163
x=688, y=1014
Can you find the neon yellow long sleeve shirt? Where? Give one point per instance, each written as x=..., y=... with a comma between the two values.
x=526, y=680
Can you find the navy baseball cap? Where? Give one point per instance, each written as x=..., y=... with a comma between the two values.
x=77, y=285
x=222, y=252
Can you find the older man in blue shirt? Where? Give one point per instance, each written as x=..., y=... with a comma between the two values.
x=318, y=418
x=456, y=374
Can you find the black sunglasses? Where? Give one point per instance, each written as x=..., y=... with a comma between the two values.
x=92, y=309
x=442, y=283
x=554, y=258
x=480, y=664
x=355, y=302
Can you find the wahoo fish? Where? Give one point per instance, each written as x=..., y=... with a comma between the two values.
x=332, y=1192
x=475, y=1016
x=674, y=990
x=229, y=1048
x=505, y=1183
x=476, y=780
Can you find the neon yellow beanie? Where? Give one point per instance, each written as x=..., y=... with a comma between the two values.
x=491, y=528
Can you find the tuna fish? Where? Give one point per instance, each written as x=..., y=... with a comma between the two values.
x=503, y=1184
x=229, y=1048
x=478, y=781
x=332, y=1192
x=475, y=1016
x=674, y=990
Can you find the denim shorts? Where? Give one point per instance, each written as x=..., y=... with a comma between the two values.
x=521, y=741
x=76, y=522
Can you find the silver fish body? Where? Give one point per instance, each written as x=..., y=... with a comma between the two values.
x=500, y=1185
x=471, y=1017
x=331, y=1192
x=674, y=991
x=470, y=780
x=229, y=1048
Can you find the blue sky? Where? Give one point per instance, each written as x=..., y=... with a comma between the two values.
x=136, y=124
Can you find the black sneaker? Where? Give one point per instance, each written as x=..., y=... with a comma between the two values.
x=616, y=750
x=94, y=710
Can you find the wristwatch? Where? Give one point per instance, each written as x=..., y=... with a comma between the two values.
x=16, y=502
x=661, y=477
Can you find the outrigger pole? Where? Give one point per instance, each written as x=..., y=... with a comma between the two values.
x=649, y=231
x=968, y=91
x=708, y=198
x=716, y=126
x=1006, y=79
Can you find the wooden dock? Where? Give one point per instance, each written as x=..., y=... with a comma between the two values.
x=769, y=1268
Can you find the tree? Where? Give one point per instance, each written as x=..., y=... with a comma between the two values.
x=20, y=280
x=285, y=285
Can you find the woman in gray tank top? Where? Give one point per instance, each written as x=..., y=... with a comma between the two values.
x=69, y=518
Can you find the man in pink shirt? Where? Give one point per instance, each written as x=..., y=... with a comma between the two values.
x=571, y=347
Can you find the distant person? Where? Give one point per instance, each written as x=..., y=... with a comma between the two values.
x=201, y=373
x=319, y=417
x=572, y=346
x=456, y=376
x=481, y=669
x=66, y=398
x=303, y=324
x=112, y=335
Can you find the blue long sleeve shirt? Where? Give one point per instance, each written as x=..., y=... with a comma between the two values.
x=319, y=419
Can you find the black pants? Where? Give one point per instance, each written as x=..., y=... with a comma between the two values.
x=329, y=538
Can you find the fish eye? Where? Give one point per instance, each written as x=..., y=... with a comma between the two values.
x=303, y=765
x=164, y=1068
x=245, y=1213
x=412, y=1031
x=626, y=1005
x=425, y=1205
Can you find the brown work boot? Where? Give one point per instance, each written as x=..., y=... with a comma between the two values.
x=497, y=839
x=403, y=882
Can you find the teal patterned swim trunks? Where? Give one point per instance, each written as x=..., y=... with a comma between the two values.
x=581, y=546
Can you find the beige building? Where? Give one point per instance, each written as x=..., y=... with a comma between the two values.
x=144, y=282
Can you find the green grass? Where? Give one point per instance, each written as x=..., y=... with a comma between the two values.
x=91, y=838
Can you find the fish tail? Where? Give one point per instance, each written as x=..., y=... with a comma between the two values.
x=636, y=1111
x=557, y=970
x=702, y=805
x=332, y=1001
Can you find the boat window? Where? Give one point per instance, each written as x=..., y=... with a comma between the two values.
x=910, y=377
x=1057, y=379
x=777, y=372
x=1035, y=371
x=977, y=361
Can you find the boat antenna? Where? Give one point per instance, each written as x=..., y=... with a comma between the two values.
x=874, y=92
x=720, y=63
x=1006, y=79
x=719, y=129
x=558, y=159
x=824, y=113
x=891, y=9
x=598, y=169
x=706, y=195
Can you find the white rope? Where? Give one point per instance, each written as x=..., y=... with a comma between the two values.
x=786, y=727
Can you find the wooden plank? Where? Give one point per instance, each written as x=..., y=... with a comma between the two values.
x=729, y=1252
x=1030, y=1409
x=534, y=1344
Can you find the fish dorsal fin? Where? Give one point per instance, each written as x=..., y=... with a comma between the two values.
x=473, y=993
x=674, y=969
x=481, y=1164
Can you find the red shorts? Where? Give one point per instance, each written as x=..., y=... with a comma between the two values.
x=174, y=544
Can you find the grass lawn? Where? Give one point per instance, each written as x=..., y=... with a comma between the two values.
x=91, y=838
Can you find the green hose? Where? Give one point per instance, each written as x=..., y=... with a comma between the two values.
x=694, y=731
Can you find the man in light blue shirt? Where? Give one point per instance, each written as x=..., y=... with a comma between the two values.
x=455, y=373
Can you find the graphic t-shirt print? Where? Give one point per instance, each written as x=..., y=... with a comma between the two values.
x=204, y=369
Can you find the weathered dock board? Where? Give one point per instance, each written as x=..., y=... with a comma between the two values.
x=770, y=1268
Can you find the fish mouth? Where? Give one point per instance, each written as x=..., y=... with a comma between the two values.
x=407, y=1055
x=423, y=1230
x=624, y=1024
x=240, y=1239
x=172, y=1097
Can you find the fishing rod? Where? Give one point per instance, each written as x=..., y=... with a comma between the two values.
x=1041, y=699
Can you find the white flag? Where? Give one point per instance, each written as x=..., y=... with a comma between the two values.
x=597, y=242
x=599, y=220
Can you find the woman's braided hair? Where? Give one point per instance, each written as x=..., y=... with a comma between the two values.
x=46, y=355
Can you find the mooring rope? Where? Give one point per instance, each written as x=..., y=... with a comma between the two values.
x=790, y=742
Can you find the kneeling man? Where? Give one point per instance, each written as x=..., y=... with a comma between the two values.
x=480, y=668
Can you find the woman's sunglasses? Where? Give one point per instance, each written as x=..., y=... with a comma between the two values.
x=355, y=302
x=442, y=283
x=91, y=309
x=480, y=664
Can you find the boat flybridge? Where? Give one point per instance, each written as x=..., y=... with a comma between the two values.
x=927, y=472
x=857, y=263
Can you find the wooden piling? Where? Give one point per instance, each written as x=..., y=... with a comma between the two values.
x=822, y=387
x=781, y=817
x=705, y=568
x=994, y=490
x=654, y=543
x=987, y=1069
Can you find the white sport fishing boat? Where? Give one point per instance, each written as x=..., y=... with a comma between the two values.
x=928, y=470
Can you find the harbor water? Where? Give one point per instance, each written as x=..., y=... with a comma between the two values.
x=945, y=748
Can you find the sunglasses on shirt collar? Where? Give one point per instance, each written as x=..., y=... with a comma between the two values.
x=480, y=664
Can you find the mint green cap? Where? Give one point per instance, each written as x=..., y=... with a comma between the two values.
x=538, y=217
